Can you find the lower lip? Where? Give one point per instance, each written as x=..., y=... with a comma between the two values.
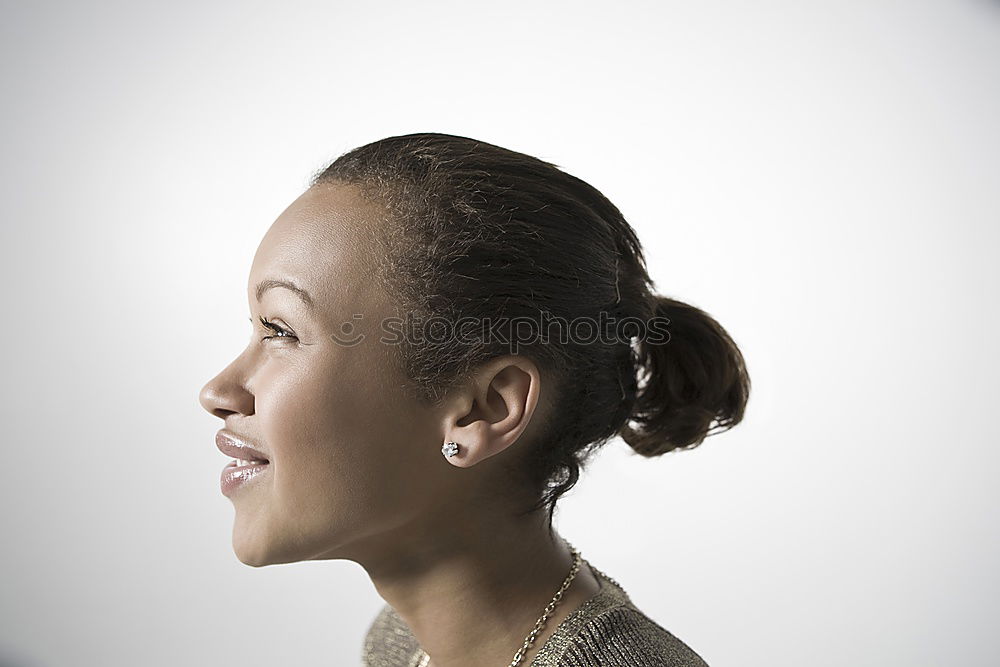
x=235, y=476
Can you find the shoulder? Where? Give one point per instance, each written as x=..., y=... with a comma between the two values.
x=610, y=631
x=626, y=636
x=388, y=642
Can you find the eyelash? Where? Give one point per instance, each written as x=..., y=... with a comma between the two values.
x=279, y=332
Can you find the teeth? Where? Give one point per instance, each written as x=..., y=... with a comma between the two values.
x=242, y=462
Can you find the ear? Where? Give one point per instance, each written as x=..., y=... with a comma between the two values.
x=488, y=413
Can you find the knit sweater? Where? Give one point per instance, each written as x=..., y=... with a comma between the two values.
x=605, y=631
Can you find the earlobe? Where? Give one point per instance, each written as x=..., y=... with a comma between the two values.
x=466, y=444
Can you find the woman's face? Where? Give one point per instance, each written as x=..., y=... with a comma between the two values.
x=350, y=454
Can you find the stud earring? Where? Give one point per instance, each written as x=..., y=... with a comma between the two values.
x=450, y=448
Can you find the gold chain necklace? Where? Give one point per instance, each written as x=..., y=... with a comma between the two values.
x=540, y=623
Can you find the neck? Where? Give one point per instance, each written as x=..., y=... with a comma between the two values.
x=472, y=594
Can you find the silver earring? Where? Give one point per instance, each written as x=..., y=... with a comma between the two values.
x=450, y=448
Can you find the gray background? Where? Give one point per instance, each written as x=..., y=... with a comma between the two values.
x=820, y=176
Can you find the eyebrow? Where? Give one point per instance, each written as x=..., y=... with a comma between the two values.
x=265, y=285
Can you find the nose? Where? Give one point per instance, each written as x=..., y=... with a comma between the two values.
x=227, y=393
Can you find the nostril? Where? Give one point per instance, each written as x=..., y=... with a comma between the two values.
x=222, y=397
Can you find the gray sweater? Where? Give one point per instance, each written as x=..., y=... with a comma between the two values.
x=605, y=631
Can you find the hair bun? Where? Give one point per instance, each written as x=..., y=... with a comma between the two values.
x=691, y=386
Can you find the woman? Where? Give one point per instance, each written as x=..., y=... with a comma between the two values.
x=424, y=383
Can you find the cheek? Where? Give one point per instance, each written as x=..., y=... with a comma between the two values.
x=345, y=446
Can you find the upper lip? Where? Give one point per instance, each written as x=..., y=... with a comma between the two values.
x=237, y=447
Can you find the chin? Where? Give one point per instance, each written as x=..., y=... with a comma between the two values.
x=256, y=555
x=251, y=553
x=258, y=550
x=255, y=547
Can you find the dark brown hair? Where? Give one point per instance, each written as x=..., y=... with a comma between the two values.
x=481, y=231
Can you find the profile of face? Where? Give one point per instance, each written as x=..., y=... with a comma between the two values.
x=350, y=453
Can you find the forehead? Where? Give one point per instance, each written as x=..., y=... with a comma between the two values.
x=323, y=242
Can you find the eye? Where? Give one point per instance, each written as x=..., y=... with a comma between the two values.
x=279, y=332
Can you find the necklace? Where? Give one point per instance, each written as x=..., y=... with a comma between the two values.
x=540, y=623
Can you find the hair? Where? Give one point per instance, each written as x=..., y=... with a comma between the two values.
x=477, y=230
